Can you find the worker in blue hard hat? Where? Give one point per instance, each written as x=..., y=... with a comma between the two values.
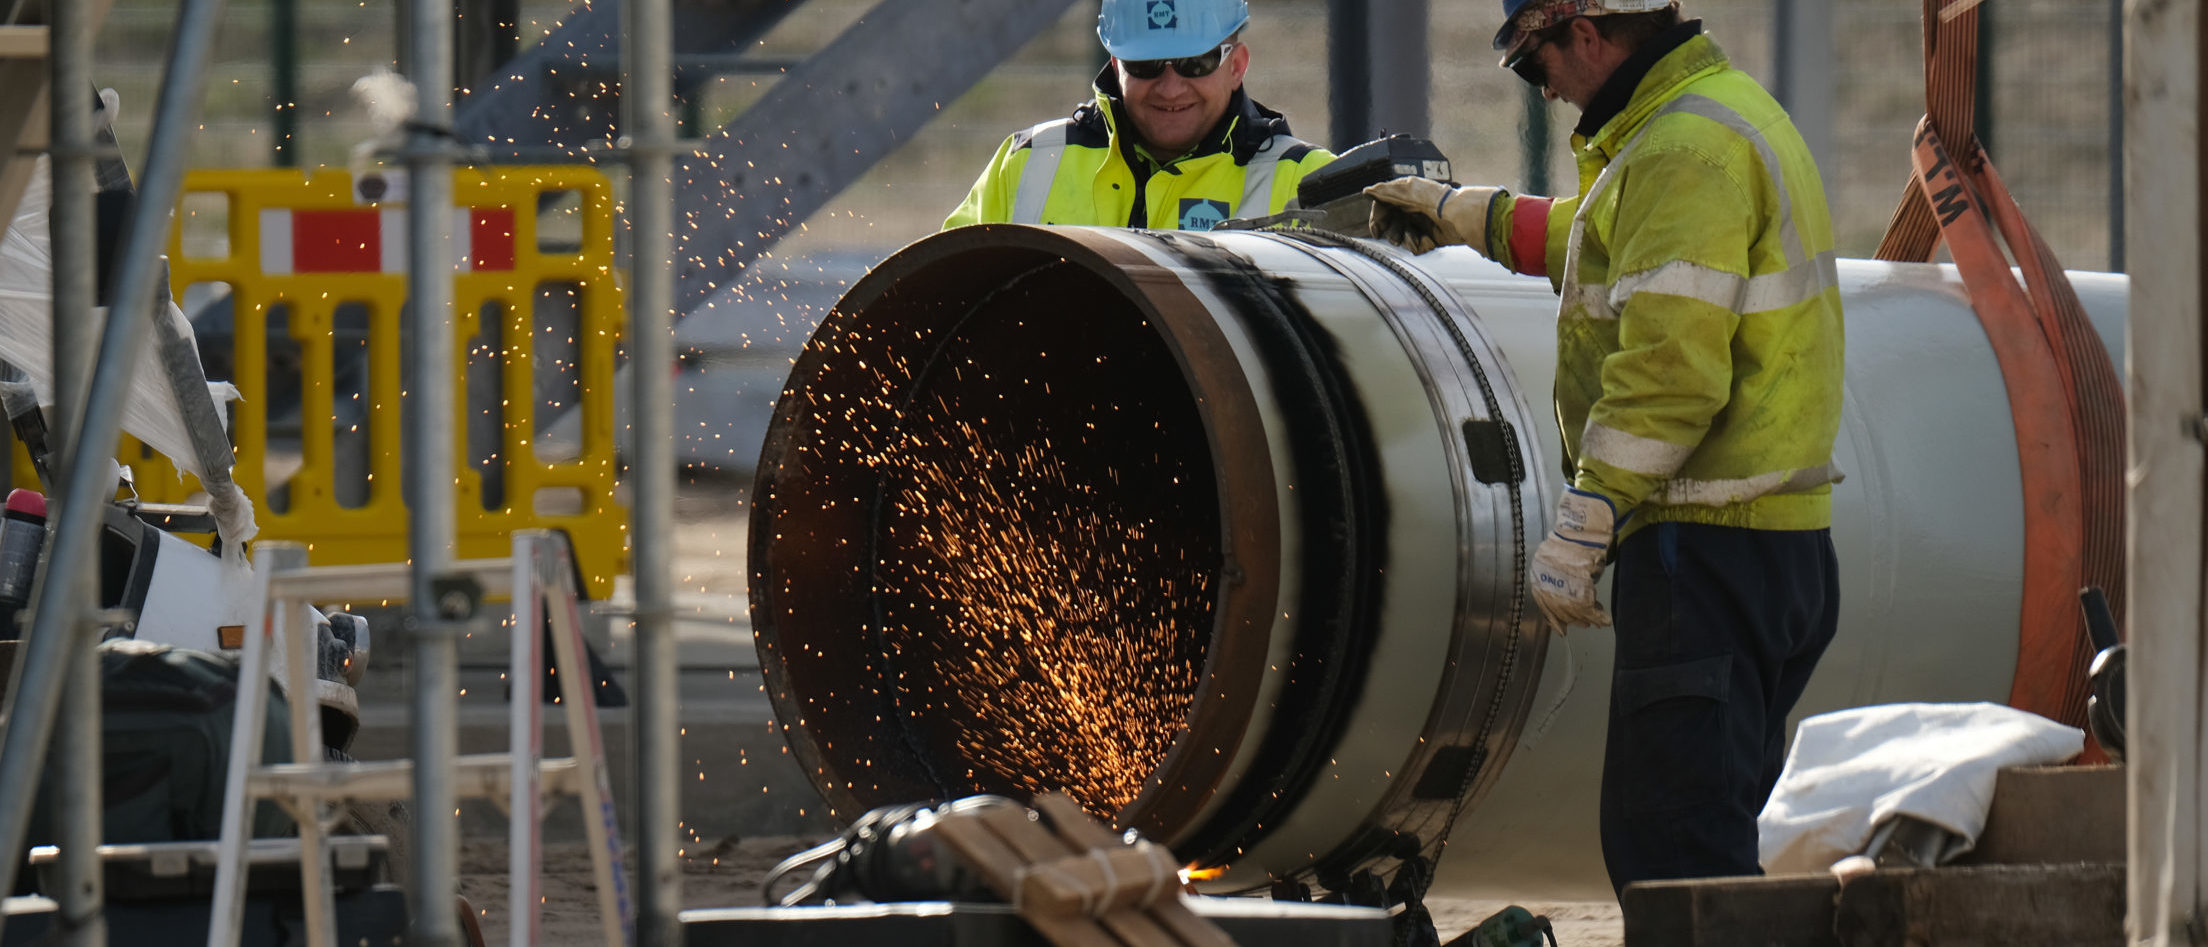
x=1698, y=393
x=1170, y=140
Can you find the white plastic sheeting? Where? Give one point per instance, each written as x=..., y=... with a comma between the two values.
x=152, y=414
x=1851, y=770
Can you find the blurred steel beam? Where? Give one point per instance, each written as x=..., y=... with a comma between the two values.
x=1378, y=76
x=562, y=91
x=1802, y=73
x=826, y=123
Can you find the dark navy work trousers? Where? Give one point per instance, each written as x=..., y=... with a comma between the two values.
x=1718, y=629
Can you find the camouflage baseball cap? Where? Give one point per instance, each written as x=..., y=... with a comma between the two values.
x=1523, y=18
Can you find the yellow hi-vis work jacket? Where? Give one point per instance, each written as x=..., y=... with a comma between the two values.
x=1699, y=340
x=1083, y=171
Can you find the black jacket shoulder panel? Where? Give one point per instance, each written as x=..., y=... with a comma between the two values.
x=1090, y=128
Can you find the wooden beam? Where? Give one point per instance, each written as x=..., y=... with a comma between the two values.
x=2164, y=360
x=23, y=42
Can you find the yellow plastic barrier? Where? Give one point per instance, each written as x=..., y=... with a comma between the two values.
x=308, y=248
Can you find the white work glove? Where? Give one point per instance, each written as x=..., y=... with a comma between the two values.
x=1419, y=214
x=1567, y=563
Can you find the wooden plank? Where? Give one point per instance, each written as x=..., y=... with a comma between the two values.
x=1004, y=845
x=23, y=42
x=2163, y=181
x=1992, y=906
x=1985, y=906
x=1785, y=911
x=1169, y=920
x=2054, y=815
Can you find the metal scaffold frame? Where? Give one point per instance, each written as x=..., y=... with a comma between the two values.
x=64, y=625
x=62, y=636
x=648, y=103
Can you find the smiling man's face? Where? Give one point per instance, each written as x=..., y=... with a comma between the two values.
x=1172, y=112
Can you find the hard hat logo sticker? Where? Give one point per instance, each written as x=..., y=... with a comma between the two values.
x=1200, y=214
x=1163, y=16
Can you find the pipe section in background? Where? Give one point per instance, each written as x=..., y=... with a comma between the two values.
x=430, y=447
x=49, y=646
x=648, y=100
x=1328, y=434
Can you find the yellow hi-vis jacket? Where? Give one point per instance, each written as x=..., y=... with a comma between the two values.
x=1083, y=171
x=1699, y=341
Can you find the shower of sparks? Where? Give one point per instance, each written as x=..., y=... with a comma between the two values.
x=1045, y=546
x=1058, y=627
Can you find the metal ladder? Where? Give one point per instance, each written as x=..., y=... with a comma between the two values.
x=540, y=579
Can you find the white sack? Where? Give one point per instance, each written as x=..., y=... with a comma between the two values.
x=1851, y=770
x=26, y=341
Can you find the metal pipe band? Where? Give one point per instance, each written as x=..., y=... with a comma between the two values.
x=1203, y=513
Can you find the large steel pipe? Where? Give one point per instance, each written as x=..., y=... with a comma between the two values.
x=1225, y=534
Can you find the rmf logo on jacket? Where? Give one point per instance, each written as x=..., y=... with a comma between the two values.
x=1200, y=214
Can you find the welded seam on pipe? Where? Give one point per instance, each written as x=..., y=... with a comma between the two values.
x=1290, y=751
x=1515, y=615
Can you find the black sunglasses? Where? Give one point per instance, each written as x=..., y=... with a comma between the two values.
x=1190, y=67
x=1528, y=66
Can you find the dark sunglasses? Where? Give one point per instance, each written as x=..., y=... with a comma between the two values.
x=1190, y=67
x=1528, y=66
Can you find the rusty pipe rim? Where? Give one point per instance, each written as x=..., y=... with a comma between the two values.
x=838, y=754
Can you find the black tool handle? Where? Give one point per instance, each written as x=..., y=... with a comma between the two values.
x=2100, y=623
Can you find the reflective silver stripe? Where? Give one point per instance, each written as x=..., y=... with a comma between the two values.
x=1798, y=284
x=1591, y=302
x=1046, y=147
x=1681, y=278
x=1594, y=300
x=1685, y=492
x=1718, y=112
x=1257, y=178
x=1633, y=453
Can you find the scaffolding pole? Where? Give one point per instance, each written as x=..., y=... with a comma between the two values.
x=649, y=124
x=76, y=751
x=52, y=646
x=439, y=609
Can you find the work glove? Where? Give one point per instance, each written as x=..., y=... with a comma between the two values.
x=1567, y=563
x=1419, y=214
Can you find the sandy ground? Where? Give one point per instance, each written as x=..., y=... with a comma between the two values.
x=728, y=874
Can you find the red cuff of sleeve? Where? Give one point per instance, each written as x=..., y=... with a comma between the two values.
x=1529, y=235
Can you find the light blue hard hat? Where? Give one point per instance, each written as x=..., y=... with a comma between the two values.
x=1168, y=29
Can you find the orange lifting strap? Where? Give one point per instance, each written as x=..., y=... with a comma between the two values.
x=2063, y=391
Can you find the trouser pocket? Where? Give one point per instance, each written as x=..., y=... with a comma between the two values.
x=1667, y=745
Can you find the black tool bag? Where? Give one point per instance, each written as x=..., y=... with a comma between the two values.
x=165, y=745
